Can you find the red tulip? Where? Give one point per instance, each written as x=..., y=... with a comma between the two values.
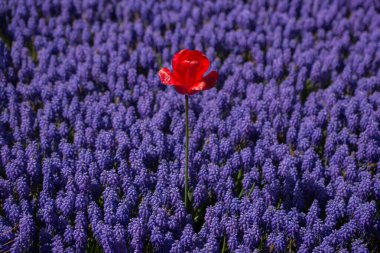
x=188, y=69
x=187, y=78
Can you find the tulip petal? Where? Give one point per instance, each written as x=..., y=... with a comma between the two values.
x=178, y=57
x=184, y=90
x=181, y=89
x=166, y=76
x=204, y=64
x=207, y=82
x=189, y=66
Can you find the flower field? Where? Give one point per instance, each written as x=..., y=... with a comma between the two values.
x=284, y=152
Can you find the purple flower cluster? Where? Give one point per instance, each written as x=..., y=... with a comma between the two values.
x=284, y=153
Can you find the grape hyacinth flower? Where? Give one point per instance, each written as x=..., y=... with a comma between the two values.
x=284, y=156
x=189, y=66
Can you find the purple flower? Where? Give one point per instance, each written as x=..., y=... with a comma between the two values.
x=284, y=153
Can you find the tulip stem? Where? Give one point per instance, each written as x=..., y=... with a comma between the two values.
x=187, y=152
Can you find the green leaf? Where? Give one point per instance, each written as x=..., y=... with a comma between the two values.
x=190, y=196
x=251, y=190
x=240, y=175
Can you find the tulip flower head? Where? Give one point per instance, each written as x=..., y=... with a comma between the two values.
x=189, y=66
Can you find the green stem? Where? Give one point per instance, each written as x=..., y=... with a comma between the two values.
x=224, y=244
x=187, y=152
x=251, y=190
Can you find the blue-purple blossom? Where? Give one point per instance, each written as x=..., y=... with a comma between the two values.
x=284, y=152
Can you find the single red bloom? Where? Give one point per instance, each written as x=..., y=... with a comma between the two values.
x=188, y=69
